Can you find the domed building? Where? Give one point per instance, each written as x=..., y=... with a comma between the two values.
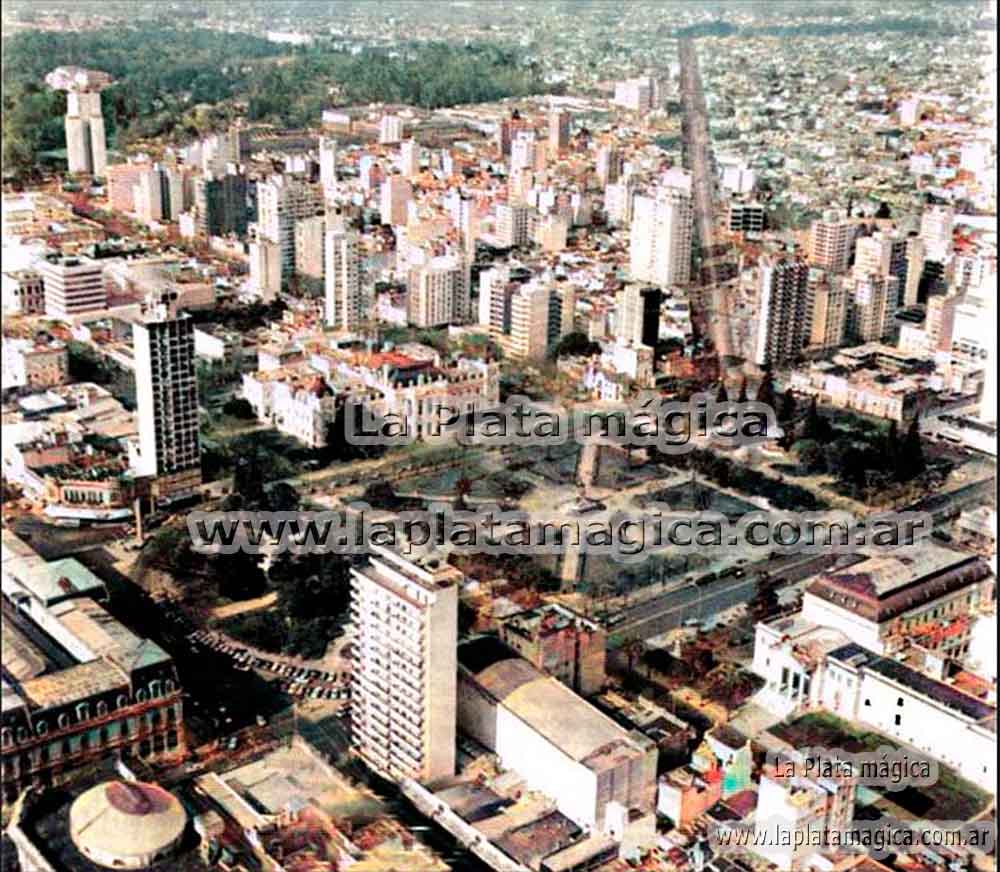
x=126, y=824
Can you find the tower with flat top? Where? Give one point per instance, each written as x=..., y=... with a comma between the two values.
x=86, y=146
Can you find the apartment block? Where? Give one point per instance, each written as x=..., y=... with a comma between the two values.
x=784, y=311
x=404, y=686
x=831, y=241
x=661, y=237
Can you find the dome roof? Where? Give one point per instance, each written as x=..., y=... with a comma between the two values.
x=126, y=819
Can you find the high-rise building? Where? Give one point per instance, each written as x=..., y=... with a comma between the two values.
x=562, y=311
x=831, y=239
x=148, y=195
x=829, y=309
x=528, y=336
x=404, y=685
x=940, y=319
x=524, y=151
x=619, y=201
x=639, y=315
x=265, y=269
x=936, y=227
x=220, y=205
x=660, y=238
x=310, y=246
x=344, y=303
x=73, y=285
x=873, y=301
x=409, y=159
x=86, y=145
x=281, y=201
x=609, y=164
x=390, y=130
x=327, y=163
x=746, y=218
x=784, y=311
x=394, y=200
x=438, y=292
x=513, y=224
x=915, y=255
x=637, y=95
x=502, y=136
x=169, y=448
x=558, y=131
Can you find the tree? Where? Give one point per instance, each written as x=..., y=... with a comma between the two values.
x=912, y=461
x=816, y=426
x=811, y=455
x=248, y=477
x=765, y=393
x=723, y=395
x=786, y=412
x=575, y=345
x=237, y=407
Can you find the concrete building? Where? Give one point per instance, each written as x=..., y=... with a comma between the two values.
x=558, y=131
x=409, y=159
x=439, y=292
x=599, y=775
x=936, y=227
x=831, y=242
x=660, y=238
x=98, y=691
x=828, y=322
x=513, y=224
x=265, y=269
x=86, y=144
x=283, y=200
x=559, y=643
x=619, y=201
x=219, y=204
x=609, y=164
x=310, y=251
x=73, y=285
x=394, y=200
x=796, y=811
x=636, y=95
x=784, y=311
x=390, y=130
x=327, y=163
x=747, y=218
x=23, y=292
x=169, y=447
x=638, y=311
x=344, y=304
x=36, y=364
x=527, y=336
x=404, y=686
x=873, y=302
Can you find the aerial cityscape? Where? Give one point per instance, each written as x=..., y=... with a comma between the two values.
x=514, y=435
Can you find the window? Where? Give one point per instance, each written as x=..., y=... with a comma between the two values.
x=868, y=703
x=899, y=701
x=899, y=720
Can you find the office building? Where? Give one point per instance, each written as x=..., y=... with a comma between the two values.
x=86, y=144
x=404, y=685
x=831, y=242
x=784, y=311
x=73, y=285
x=660, y=238
x=169, y=447
x=439, y=292
x=344, y=302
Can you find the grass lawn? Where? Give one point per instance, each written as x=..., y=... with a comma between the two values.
x=951, y=798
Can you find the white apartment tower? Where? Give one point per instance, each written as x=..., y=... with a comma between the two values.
x=936, y=226
x=344, y=300
x=167, y=399
x=265, y=269
x=409, y=159
x=784, y=311
x=513, y=224
x=390, y=130
x=404, y=685
x=73, y=286
x=281, y=201
x=660, y=239
x=830, y=241
x=439, y=292
x=328, y=163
